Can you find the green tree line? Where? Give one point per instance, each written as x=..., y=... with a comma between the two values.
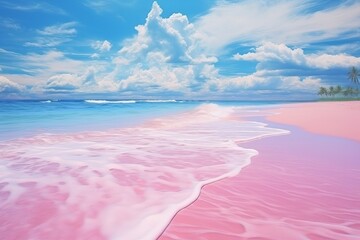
x=353, y=76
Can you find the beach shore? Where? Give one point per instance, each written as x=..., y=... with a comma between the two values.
x=330, y=118
x=304, y=185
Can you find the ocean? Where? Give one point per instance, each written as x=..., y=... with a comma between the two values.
x=31, y=117
x=101, y=169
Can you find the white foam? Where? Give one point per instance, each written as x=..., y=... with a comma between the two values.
x=110, y=101
x=160, y=101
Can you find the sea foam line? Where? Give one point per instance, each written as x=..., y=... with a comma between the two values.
x=99, y=101
x=110, y=101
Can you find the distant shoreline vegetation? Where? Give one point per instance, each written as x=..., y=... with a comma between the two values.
x=343, y=93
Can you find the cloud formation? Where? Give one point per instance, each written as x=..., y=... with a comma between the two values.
x=288, y=22
x=67, y=28
x=264, y=80
x=55, y=35
x=108, y=5
x=9, y=23
x=170, y=56
x=51, y=62
x=165, y=55
x=102, y=46
x=29, y=7
x=67, y=82
x=7, y=86
x=271, y=52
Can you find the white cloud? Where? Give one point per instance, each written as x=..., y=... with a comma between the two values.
x=43, y=7
x=232, y=83
x=165, y=55
x=10, y=24
x=274, y=52
x=102, y=46
x=7, y=86
x=48, y=42
x=82, y=82
x=54, y=35
x=60, y=29
x=55, y=71
x=95, y=55
x=326, y=61
x=159, y=79
x=67, y=82
x=108, y=5
x=298, y=83
x=53, y=62
x=174, y=36
x=264, y=80
x=271, y=52
x=289, y=22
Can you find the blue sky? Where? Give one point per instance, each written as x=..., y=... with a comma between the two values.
x=176, y=49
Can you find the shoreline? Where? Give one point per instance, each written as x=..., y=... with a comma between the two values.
x=303, y=170
x=337, y=119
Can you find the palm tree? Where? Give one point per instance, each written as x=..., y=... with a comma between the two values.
x=338, y=89
x=356, y=92
x=323, y=91
x=331, y=91
x=349, y=91
x=353, y=75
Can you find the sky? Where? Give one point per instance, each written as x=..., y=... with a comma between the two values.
x=204, y=49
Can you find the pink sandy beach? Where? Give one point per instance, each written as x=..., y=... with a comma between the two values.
x=305, y=185
x=335, y=118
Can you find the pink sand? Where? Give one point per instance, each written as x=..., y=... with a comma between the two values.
x=300, y=186
x=335, y=118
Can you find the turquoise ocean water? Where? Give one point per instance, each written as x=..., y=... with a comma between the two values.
x=28, y=118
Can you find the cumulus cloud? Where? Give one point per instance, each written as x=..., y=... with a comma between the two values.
x=165, y=55
x=8, y=86
x=271, y=52
x=71, y=82
x=174, y=36
x=159, y=79
x=298, y=83
x=264, y=80
x=234, y=83
x=67, y=82
x=289, y=22
x=56, y=72
x=102, y=46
